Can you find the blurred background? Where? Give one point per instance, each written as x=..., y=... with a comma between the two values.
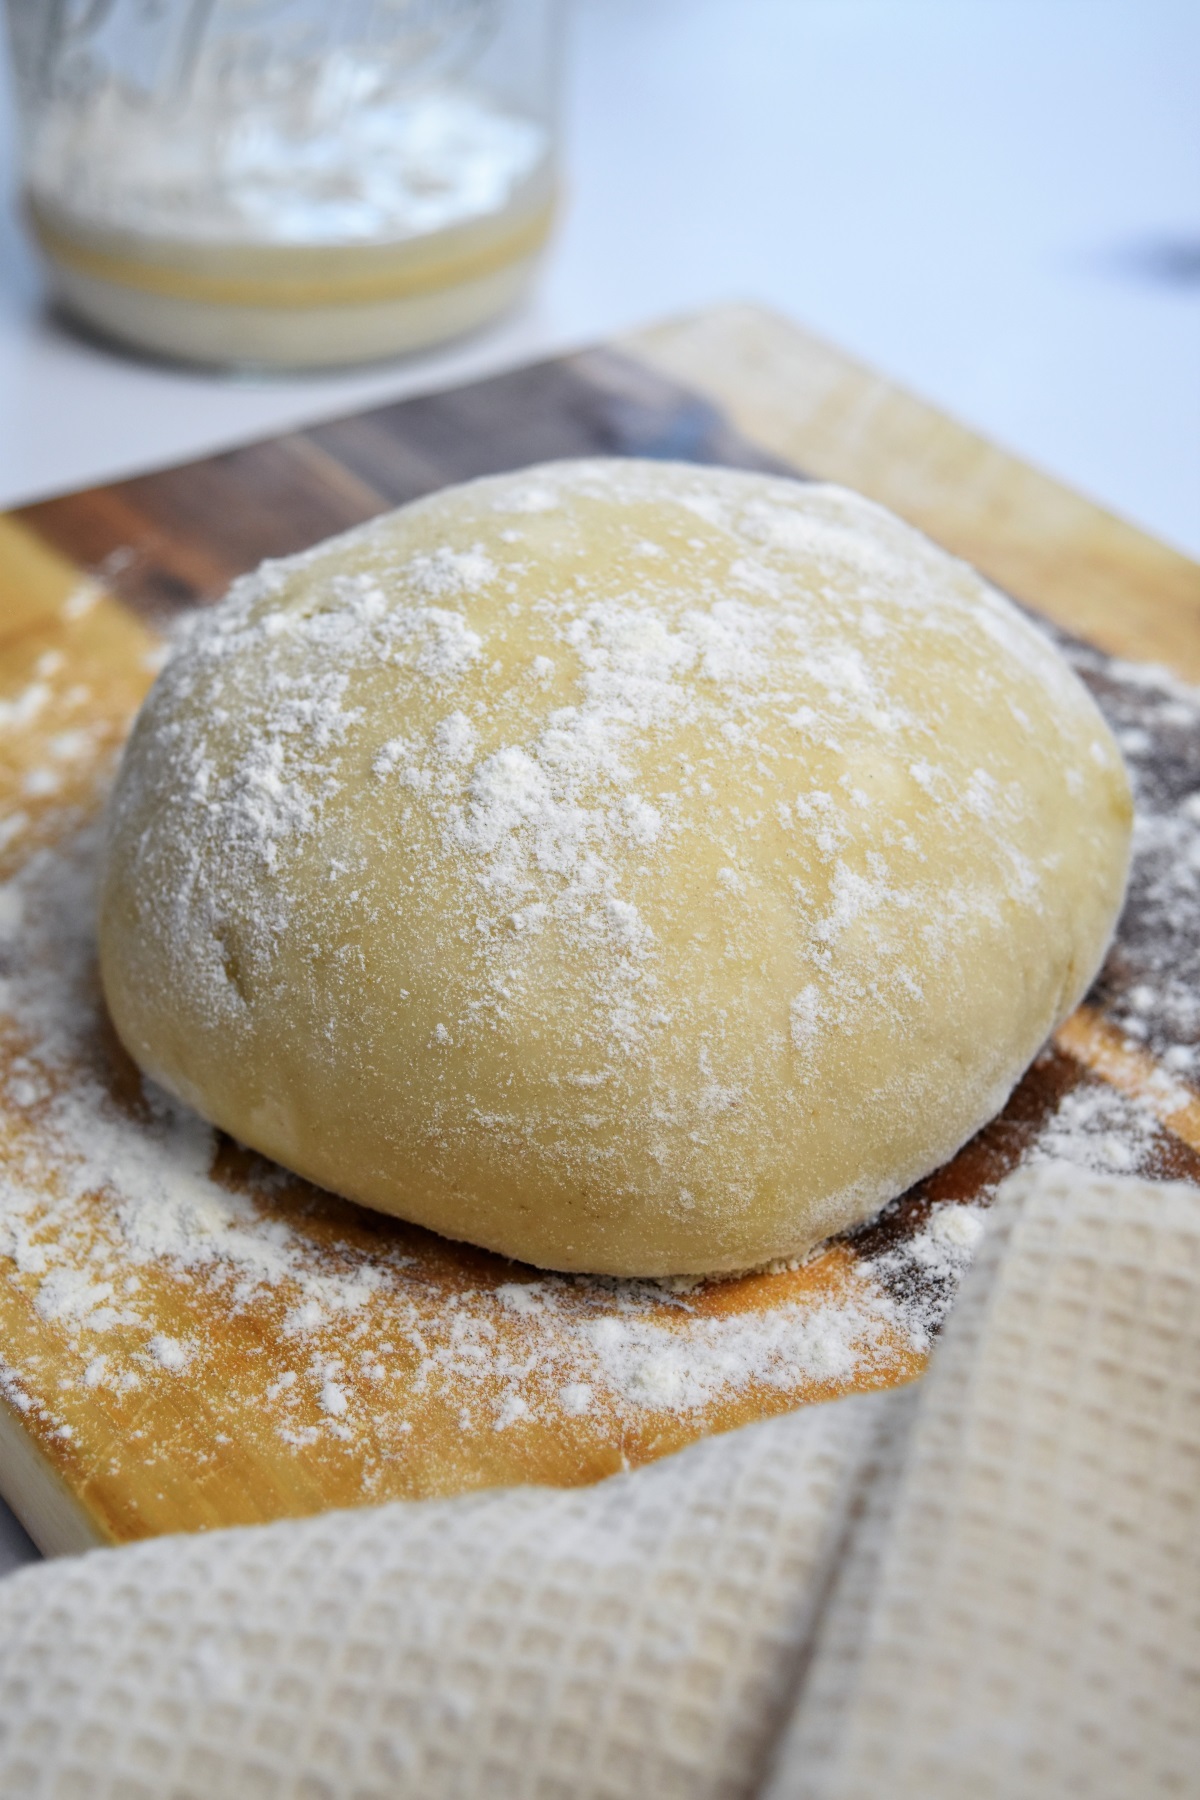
x=997, y=202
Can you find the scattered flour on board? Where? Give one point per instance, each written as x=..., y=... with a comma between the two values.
x=103, y=1197
x=1151, y=985
x=98, y=1194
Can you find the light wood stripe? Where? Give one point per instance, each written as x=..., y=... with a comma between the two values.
x=1088, y=571
x=1102, y=1048
x=35, y=579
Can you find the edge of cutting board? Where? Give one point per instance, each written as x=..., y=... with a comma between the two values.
x=52, y=1515
x=807, y=402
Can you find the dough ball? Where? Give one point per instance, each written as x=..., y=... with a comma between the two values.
x=624, y=866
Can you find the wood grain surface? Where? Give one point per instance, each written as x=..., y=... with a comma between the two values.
x=102, y=1439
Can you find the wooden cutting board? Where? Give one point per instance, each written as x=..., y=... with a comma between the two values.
x=304, y=1353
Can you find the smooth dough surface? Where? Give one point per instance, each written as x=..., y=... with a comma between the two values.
x=626, y=867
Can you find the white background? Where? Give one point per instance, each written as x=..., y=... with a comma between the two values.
x=995, y=201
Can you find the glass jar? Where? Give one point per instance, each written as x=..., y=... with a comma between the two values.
x=287, y=183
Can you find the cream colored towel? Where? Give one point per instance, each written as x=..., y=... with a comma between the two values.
x=638, y=1638
x=1000, y=1599
x=1018, y=1616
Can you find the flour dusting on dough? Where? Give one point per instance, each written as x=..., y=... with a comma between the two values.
x=652, y=879
x=120, y=1210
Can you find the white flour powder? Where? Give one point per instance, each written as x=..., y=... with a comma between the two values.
x=108, y=1191
x=371, y=170
x=96, y=1192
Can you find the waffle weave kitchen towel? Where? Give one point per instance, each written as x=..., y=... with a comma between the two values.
x=1017, y=1615
x=987, y=1586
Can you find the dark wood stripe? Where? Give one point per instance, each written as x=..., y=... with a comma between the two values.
x=177, y=538
x=995, y=1152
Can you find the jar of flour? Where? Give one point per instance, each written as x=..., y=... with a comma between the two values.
x=287, y=183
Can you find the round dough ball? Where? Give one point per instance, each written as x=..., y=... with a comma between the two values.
x=627, y=867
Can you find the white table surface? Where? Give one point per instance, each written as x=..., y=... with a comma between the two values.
x=995, y=201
